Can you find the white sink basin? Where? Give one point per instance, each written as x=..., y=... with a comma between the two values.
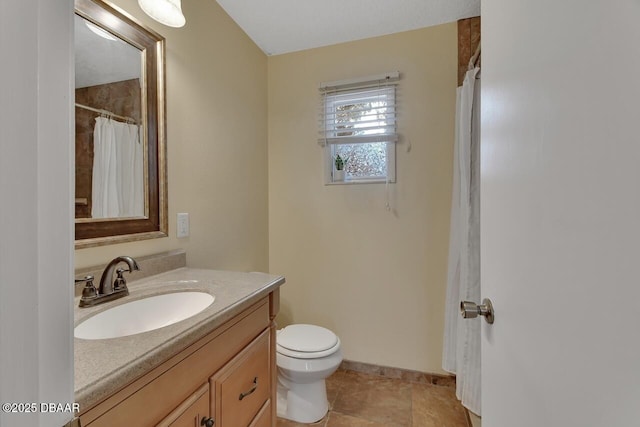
x=143, y=315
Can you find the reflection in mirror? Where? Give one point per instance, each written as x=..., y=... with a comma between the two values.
x=109, y=135
x=120, y=128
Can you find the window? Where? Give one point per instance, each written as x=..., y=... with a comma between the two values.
x=358, y=129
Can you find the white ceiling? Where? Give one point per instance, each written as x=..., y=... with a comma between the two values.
x=281, y=26
x=100, y=61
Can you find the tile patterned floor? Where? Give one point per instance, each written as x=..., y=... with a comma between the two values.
x=363, y=400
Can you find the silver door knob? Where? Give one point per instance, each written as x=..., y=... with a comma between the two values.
x=471, y=310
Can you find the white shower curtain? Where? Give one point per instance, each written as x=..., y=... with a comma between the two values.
x=461, y=352
x=118, y=160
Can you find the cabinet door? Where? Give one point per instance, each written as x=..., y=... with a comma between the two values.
x=263, y=419
x=241, y=388
x=191, y=412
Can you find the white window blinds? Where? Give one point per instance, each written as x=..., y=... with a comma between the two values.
x=359, y=110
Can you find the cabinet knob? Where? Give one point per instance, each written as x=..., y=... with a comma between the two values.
x=207, y=422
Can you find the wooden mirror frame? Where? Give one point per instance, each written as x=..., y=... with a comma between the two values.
x=91, y=232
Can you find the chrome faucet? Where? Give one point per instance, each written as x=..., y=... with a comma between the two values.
x=109, y=288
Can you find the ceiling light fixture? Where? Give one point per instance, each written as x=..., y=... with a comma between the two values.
x=99, y=31
x=167, y=12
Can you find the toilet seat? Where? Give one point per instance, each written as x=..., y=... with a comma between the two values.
x=306, y=341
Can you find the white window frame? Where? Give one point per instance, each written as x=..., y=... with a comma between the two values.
x=382, y=131
x=391, y=168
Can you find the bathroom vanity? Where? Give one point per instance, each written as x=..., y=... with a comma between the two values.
x=216, y=368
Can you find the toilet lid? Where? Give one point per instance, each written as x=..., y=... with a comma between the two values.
x=306, y=338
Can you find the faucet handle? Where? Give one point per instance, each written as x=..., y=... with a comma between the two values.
x=84, y=279
x=89, y=292
x=120, y=282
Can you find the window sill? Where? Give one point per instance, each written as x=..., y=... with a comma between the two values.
x=360, y=181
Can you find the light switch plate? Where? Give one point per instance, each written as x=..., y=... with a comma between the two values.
x=183, y=225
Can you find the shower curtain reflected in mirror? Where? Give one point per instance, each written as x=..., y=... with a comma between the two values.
x=118, y=169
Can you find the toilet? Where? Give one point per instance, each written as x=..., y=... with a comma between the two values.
x=305, y=356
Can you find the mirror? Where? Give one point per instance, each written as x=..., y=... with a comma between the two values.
x=120, y=127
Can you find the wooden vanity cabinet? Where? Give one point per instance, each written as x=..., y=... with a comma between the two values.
x=207, y=379
x=263, y=419
x=243, y=386
x=193, y=412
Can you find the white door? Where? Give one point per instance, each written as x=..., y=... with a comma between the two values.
x=560, y=193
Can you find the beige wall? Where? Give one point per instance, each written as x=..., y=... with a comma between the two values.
x=376, y=278
x=217, y=143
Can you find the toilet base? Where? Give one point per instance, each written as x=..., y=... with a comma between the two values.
x=302, y=403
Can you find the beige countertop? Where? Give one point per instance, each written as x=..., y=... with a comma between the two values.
x=104, y=366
